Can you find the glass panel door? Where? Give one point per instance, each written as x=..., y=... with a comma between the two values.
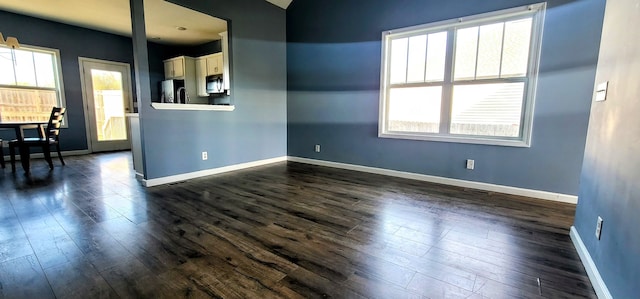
x=108, y=105
x=108, y=98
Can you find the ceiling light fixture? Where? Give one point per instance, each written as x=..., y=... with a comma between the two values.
x=180, y=28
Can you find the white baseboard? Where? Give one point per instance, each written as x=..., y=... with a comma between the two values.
x=592, y=271
x=202, y=173
x=54, y=155
x=408, y=175
x=566, y=198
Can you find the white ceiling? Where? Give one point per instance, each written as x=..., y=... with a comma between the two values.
x=113, y=16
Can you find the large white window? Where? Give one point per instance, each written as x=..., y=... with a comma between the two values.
x=30, y=84
x=468, y=80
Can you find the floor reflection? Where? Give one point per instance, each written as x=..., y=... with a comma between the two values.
x=89, y=229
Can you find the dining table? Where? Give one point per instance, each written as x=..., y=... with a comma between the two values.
x=19, y=128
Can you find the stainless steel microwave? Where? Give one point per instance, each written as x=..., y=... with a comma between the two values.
x=215, y=84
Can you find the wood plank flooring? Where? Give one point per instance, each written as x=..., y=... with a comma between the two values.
x=287, y=230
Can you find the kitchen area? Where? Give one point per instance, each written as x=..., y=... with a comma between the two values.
x=189, y=65
x=203, y=79
x=189, y=59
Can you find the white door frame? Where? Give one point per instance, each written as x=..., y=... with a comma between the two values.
x=85, y=101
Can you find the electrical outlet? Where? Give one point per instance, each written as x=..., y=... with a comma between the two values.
x=470, y=164
x=317, y=148
x=599, y=227
x=204, y=156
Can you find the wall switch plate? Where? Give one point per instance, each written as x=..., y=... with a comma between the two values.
x=601, y=91
x=599, y=227
x=470, y=164
x=317, y=149
x=205, y=156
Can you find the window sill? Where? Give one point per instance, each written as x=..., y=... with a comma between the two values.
x=203, y=107
x=456, y=139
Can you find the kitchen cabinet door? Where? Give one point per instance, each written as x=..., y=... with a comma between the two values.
x=178, y=68
x=214, y=64
x=201, y=77
x=168, y=69
x=174, y=68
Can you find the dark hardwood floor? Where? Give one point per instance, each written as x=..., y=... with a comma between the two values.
x=89, y=230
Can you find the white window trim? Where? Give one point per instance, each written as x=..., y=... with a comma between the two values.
x=475, y=20
x=59, y=78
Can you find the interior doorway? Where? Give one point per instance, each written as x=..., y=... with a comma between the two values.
x=107, y=96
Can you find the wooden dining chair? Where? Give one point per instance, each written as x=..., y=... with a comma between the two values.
x=48, y=137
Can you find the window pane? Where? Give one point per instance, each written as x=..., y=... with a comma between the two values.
x=436, y=55
x=6, y=67
x=24, y=105
x=44, y=70
x=108, y=97
x=28, y=70
x=466, y=48
x=489, y=51
x=517, y=36
x=25, y=72
x=417, y=57
x=487, y=109
x=415, y=109
x=399, y=60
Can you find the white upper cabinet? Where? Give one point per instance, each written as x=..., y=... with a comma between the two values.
x=214, y=64
x=201, y=76
x=174, y=68
x=211, y=64
x=184, y=68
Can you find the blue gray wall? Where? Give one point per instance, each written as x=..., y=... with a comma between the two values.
x=333, y=65
x=257, y=129
x=73, y=42
x=609, y=183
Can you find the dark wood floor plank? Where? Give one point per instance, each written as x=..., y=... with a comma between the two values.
x=14, y=248
x=11, y=229
x=328, y=265
x=286, y=230
x=100, y=248
x=78, y=279
x=312, y=285
x=557, y=274
x=133, y=280
x=54, y=247
x=23, y=278
x=155, y=255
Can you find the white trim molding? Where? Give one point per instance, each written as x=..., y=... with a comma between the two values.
x=592, y=271
x=139, y=176
x=53, y=155
x=207, y=172
x=173, y=106
x=566, y=198
x=559, y=197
